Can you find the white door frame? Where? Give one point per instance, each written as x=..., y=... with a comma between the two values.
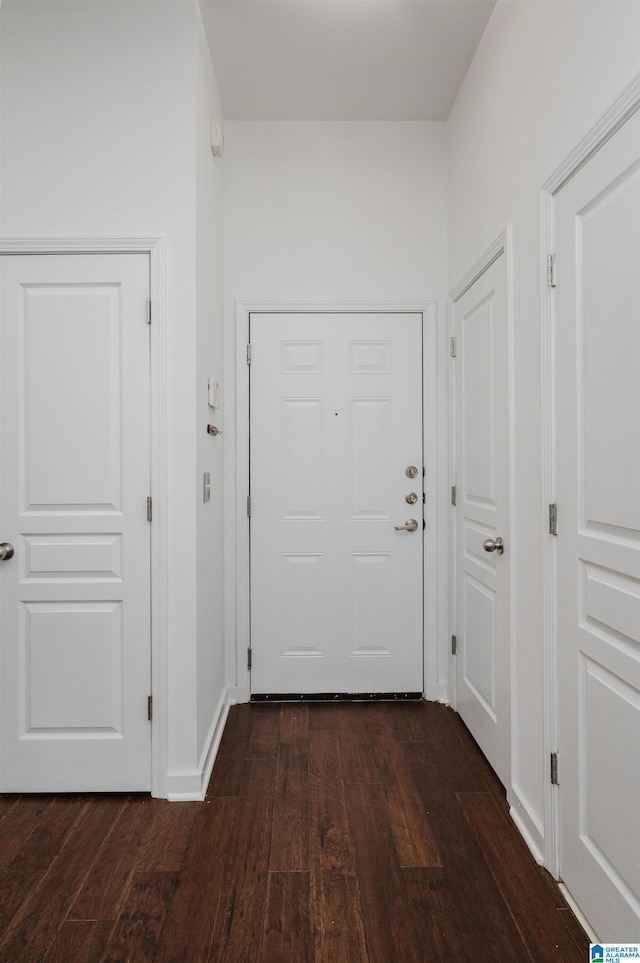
x=434, y=571
x=155, y=247
x=627, y=104
x=503, y=245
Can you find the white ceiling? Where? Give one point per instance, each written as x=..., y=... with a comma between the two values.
x=342, y=59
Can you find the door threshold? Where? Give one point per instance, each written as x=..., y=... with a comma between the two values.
x=335, y=696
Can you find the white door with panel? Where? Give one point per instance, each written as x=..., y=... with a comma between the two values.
x=74, y=476
x=336, y=503
x=482, y=514
x=597, y=345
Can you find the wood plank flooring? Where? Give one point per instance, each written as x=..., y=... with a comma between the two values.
x=341, y=833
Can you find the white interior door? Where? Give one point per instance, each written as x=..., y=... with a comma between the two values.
x=597, y=223
x=74, y=477
x=336, y=422
x=482, y=514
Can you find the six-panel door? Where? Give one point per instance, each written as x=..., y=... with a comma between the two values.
x=336, y=421
x=74, y=472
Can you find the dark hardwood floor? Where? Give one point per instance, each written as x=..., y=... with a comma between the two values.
x=341, y=833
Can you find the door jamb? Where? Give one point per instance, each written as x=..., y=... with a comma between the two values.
x=433, y=571
x=155, y=248
x=611, y=121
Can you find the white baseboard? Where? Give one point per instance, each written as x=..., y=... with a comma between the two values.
x=184, y=786
x=579, y=915
x=528, y=833
x=212, y=743
x=192, y=786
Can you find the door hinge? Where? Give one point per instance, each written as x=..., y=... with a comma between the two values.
x=249, y=353
x=453, y=494
x=149, y=508
x=454, y=645
x=148, y=310
x=150, y=708
x=551, y=270
x=249, y=657
x=452, y=347
x=553, y=518
x=554, y=769
x=249, y=506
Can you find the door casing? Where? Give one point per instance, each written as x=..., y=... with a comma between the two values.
x=155, y=247
x=435, y=683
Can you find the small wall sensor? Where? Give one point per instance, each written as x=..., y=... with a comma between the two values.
x=217, y=139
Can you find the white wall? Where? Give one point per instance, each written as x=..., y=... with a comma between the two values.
x=100, y=106
x=333, y=212
x=542, y=76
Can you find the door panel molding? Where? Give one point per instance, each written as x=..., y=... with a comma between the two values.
x=624, y=107
x=155, y=247
x=435, y=547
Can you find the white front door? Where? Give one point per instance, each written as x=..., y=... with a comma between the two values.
x=336, y=465
x=74, y=477
x=482, y=514
x=597, y=324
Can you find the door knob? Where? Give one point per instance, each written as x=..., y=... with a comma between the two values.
x=6, y=551
x=493, y=545
x=410, y=525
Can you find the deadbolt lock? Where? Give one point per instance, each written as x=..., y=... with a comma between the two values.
x=411, y=472
x=411, y=498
